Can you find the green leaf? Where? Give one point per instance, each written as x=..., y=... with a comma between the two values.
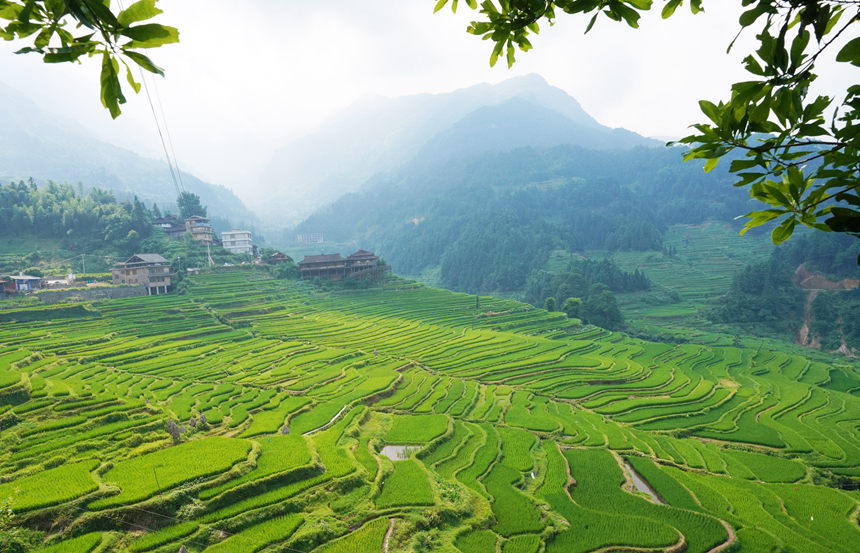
x=134, y=84
x=139, y=11
x=10, y=10
x=850, y=52
x=144, y=62
x=111, y=92
x=151, y=35
x=57, y=8
x=783, y=231
x=669, y=8
x=44, y=37
x=439, y=5
x=711, y=163
x=70, y=53
x=798, y=46
x=102, y=13
x=758, y=218
x=497, y=49
x=709, y=109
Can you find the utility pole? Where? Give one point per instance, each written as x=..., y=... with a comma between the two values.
x=83, y=263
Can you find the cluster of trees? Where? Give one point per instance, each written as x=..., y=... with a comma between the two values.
x=584, y=290
x=94, y=220
x=764, y=296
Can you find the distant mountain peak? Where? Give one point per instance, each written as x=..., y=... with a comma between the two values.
x=378, y=135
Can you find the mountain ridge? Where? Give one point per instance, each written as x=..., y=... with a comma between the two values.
x=44, y=146
x=378, y=135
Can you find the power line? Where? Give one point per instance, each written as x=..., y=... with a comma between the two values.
x=167, y=130
x=177, y=183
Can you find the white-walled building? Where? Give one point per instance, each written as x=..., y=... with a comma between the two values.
x=237, y=241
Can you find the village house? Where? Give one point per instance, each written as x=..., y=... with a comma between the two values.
x=200, y=229
x=171, y=226
x=144, y=269
x=361, y=265
x=237, y=241
x=21, y=283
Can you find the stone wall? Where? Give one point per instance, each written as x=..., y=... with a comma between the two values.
x=89, y=294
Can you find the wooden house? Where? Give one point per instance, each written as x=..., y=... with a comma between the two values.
x=200, y=229
x=361, y=265
x=144, y=269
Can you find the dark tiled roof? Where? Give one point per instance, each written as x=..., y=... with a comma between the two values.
x=325, y=258
x=362, y=254
x=146, y=258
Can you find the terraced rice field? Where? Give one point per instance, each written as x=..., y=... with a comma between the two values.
x=282, y=396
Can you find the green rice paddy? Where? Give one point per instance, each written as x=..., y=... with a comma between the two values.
x=282, y=396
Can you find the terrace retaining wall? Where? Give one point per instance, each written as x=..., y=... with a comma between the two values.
x=51, y=297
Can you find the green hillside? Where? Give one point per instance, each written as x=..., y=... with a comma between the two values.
x=282, y=397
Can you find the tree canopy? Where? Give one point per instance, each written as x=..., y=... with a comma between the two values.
x=189, y=205
x=67, y=30
x=797, y=153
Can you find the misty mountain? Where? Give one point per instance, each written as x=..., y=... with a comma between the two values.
x=486, y=222
x=46, y=147
x=379, y=135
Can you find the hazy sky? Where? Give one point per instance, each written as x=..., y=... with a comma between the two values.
x=249, y=75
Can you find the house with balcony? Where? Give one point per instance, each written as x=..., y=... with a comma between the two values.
x=144, y=269
x=361, y=265
x=200, y=229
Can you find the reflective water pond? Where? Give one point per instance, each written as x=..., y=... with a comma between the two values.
x=399, y=452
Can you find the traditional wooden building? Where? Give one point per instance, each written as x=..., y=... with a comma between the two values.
x=326, y=266
x=172, y=227
x=144, y=269
x=200, y=229
x=361, y=265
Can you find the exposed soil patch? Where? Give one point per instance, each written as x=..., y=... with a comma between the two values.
x=812, y=281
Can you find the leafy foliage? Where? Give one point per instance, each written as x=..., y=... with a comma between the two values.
x=116, y=37
x=58, y=210
x=189, y=205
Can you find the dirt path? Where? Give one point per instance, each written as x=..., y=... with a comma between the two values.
x=803, y=335
x=390, y=531
x=329, y=423
x=732, y=537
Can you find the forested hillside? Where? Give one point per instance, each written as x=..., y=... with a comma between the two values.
x=46, y=147
x=79, y=221
x=49, y=227
x=808, y=286
x=487, y=222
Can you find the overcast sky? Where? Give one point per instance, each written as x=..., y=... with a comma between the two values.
x=249, y=75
